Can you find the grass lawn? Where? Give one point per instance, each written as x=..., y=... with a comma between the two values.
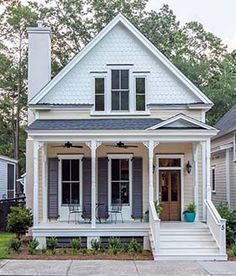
x=4, y=241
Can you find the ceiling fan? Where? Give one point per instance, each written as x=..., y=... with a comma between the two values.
x=67, y=145
x=121, y=145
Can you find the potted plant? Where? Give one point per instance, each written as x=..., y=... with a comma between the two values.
x=190, y=213
x=158, y=207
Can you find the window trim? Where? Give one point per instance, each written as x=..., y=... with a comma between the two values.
x=98, y=75
x=14, y=190
x=136, y=76
x=69, y=157
x=234, y=148
x=213, y=168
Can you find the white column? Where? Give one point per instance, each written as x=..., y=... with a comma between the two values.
x=93, y=195
x=195, y=159
x=44, y=180
x=227, y=164
x=204, y=185
x=36, y=176
x=150, y=156
x=208, y=168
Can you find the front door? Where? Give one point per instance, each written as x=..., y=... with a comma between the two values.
x=169, y=181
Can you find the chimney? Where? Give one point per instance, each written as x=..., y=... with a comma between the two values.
x=39, y=58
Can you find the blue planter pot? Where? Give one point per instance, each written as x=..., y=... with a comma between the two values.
x=189, y=217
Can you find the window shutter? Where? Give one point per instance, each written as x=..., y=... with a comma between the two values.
x=52, y=188
x=103, y=187
x=137, y=188
x=86, y=188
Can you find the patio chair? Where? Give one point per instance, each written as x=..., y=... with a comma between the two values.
x=116, y=209
x=74, y=209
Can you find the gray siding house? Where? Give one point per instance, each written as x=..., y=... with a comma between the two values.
x=223, y=160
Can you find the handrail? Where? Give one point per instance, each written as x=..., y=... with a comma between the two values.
x=217, y=225
x=155, y=227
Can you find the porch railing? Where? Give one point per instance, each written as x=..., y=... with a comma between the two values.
x=217, y=226
x=155, y=227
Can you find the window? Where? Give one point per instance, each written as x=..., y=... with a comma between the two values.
x=213, y=179
x=120, y=181
x=99, y=94
x=10, y=180
x=234, y=149
x=169, y=162
x=120, y=90
x=71, y=181
x=140, y=94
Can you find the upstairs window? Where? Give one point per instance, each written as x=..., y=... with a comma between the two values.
x=99, y=94
x=213, y=179
x=120, y=90
x=140, y=94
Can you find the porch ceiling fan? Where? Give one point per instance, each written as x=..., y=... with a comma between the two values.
x=67, y=145
x=121, y=145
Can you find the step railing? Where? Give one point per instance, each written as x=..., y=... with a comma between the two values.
x=155, y=227
x=217, y=226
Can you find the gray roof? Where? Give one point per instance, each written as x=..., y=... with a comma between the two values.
x=228, y=122
x=95, y=124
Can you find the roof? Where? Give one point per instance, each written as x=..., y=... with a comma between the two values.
x=227, y=123
x=121, y=19
x=7, y=159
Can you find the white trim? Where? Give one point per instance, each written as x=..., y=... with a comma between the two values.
x=145, y=77
x=234, y=148
x=204, y=185
x=222, y=147
x=196, y=174
x=8, y=159
x=121, y=19
x=181, y=169
x=99, y=76
x=44, y=183
x=184, y=117
x=36, y=182
x=70, y=156
x=227, y=164
x=119, y=156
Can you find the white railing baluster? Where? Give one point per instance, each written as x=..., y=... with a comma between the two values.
x=155, y=226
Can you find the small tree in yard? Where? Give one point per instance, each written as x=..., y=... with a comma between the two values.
x=19, y=220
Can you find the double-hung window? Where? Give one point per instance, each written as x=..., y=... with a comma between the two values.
x=120, y=90
x=213, y=179
x=140, y=93
x=99, y=94
x=71, y=181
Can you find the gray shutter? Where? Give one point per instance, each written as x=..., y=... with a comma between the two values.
x=103, y=187
x=137, y=188
x=86, y=188
x=52, y=188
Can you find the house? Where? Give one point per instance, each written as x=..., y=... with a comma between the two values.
x=223, y=160
x=7, y=177
x=118, y=128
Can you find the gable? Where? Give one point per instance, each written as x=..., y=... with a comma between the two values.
x=74, y=84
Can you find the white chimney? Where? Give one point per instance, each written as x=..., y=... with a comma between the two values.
x=39, y=58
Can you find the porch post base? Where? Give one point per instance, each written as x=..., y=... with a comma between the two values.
x=146, y=243
x=42, y=242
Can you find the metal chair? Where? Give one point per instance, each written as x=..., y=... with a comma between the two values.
x=74, y=209
x=116, y=209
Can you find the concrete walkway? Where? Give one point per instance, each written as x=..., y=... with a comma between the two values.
x=102, y=268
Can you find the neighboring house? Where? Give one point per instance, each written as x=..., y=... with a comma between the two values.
x=119, y=127
x=7, y=177
x=223, y=160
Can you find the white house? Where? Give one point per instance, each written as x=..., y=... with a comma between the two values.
x=110, y=134
x=223, y=163
x=7, y=177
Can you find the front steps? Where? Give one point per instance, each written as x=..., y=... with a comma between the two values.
x=187, y=241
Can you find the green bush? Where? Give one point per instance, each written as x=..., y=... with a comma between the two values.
x=125, y=247
x=76, y=245
x=135, y=247
x=19, y=220
x=232, y=251
x=15, y=245
x=52, y=244
x=114, y=245
x=230, y=217
x=96, y=244
x=32, y=247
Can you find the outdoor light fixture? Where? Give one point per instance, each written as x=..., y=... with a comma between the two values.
x=188, y=167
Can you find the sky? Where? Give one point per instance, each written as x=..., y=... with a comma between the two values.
x=217, y=16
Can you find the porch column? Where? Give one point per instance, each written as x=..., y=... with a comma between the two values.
x=195, y=159
x=44, y=180
x=150, y=156
x=208, y=168
x=36, y=176
x=204, y=184
x=227, y=164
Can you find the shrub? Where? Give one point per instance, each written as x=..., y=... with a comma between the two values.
x=232, y=251
x=114, y=245
x=19, y=220
x=96, y=244
x=135, y=247
x=230, y=217
x=76, y=245
x=51, y=244
x=158, y=207
x=125, y=247
x=32, y=247
x=191, y=208
x=15, y=245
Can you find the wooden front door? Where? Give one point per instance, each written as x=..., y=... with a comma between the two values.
x=169, y=181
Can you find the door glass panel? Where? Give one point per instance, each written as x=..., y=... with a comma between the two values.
x=174, y=186
x=65, y=170
x=66, y=193
x=164, y=186
x=115, y=194
x=75, y=193
x=115, y=164
x=124, y=169
x=75, y=170
x=124, y=192
x=169, y=162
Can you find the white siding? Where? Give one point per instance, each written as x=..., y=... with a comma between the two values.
x=119, y=46
x=218, y=161
x=232, y=169
x=3, y=178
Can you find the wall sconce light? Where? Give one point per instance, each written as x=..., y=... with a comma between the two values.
x=188, y=167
